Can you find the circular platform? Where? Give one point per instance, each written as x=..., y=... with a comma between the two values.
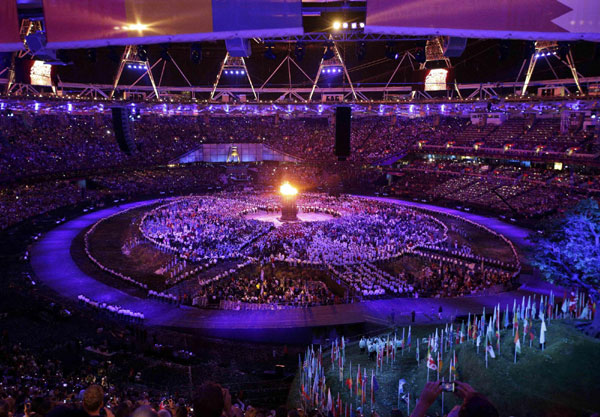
x=274, y=217
x=52, y=262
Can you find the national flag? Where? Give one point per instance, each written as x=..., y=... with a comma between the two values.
x=543, y=333
x=462, y=332
x=304, y=394
x=531, y=332
x=418, y=351
x=488, y=341
x=584, y=313
x=469, y=327
x=408, y=342
x=372, y=387
x=363, y=398
x=430, y=361
x=565, y=305
x=572, y=303
x=517, y=341
x=349, y=384
x=490, y=350
x=358, y=382
x=439, y=361
x=453, y=366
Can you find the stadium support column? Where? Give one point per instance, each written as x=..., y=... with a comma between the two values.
x=532, y=63
x=571, y=65
x=335, y=61
x=232, y=63
x=131, y=57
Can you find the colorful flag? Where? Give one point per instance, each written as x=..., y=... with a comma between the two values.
x=517, y=342
x=453, y=367
x=430, y=361
x=543, y=333
x=418, y=350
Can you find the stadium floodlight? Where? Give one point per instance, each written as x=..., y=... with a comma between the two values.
x=337, y=25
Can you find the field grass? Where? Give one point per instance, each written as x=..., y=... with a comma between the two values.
x=562, y=380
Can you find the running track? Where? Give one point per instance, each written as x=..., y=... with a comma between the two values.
x=53, y=265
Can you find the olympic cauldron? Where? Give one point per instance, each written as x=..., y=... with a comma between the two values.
x=289, y=210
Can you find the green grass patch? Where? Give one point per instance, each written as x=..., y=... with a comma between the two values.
x=562, y=380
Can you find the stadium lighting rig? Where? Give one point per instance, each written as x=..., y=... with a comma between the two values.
x=548, y=49
x=135, y=57
x=337, y=25
x=232, y=66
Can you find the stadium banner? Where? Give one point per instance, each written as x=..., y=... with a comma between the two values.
x=93, y=23
x=9, y=27
x=556, y=20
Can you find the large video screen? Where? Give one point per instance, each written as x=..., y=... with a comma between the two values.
x=508, y=19
x=126, y=22
x=9, y=26
x=434, y=79
x=34, y=72
x=40, y=74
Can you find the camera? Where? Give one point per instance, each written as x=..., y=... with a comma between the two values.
x=447, y=386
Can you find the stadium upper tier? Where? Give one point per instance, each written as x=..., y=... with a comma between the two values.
x=37, y=144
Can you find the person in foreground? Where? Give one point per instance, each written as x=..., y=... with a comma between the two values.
x=474, y=404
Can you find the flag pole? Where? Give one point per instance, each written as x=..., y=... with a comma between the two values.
x=442, y=398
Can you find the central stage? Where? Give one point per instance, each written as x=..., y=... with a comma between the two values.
x=275, y=217
x=53, y=265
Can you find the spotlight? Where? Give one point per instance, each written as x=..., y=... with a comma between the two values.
x=345, y=25
x=91, y=55
x=361, y=52
x=337, y=25
x=142, y=53
x=242, y=72
x=164, y=52
x=269, y=52
x=362, y=25
x=196, y=53
x=299, y=51
x=354, y=25
x=390, y=50
x=420, y=56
